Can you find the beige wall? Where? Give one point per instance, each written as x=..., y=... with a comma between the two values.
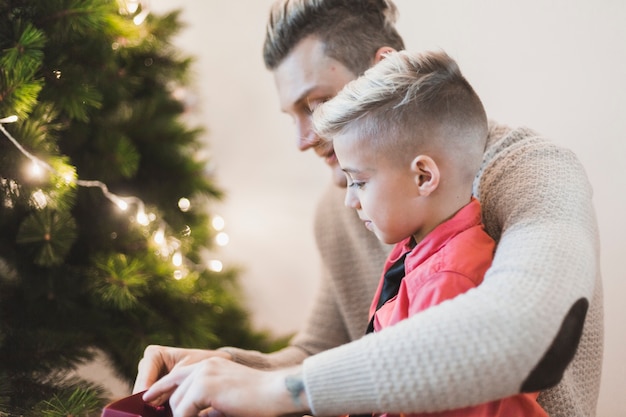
x=558, y=67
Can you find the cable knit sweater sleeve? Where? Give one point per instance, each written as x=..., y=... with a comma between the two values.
x=512, y=333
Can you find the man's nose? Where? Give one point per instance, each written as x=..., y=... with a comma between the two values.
x=306, y=137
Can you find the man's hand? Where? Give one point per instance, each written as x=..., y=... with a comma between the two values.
x=158, y=361
x=218, y=387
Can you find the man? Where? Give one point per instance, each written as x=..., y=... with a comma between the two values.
x=518, y=331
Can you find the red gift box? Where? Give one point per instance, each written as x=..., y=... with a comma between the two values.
x=135, y=406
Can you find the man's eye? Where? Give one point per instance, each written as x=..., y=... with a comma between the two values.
x=356, y=184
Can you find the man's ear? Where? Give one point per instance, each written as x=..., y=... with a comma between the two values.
x=427, y=174
x=380, y=53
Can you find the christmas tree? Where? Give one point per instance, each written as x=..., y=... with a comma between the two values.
x=104, y=203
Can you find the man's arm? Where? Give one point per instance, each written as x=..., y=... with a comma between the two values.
x=492, y=341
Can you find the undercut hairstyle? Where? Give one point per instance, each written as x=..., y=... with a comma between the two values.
x=350, y=30
x=411, y=102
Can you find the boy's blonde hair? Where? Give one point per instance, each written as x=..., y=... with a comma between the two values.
x=408, y=103
x=351, y=30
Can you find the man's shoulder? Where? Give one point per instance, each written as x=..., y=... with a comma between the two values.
x=509, y=147
x=502, y=138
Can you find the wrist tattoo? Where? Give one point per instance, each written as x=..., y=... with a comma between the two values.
x=295, y=386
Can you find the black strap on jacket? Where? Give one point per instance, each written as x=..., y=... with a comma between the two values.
x=391, y=285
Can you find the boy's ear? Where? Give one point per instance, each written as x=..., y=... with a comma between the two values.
x=427, y=174
x=380, y=53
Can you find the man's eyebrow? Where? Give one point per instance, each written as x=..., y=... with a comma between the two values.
x=303, y=97
x=298, y=101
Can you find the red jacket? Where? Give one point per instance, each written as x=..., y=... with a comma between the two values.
x=450, y=260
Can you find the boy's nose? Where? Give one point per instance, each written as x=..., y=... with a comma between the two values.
x=351, y=200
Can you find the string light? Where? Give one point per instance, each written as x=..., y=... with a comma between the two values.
x=10, y=119
x=159, y=236
x=130, y=7
x=177, y=259
x=139, y=19
x=222, y=239
x=184, y=204
x=33, y=158
x=218, y=223
x=215, y=265
x=36, y=171
x=142, y=218
x=166, y=246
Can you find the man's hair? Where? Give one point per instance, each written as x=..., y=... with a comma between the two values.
x=410, y=102
x=350, y=30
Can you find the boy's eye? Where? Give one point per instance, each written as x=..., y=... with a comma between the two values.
x=356, y=184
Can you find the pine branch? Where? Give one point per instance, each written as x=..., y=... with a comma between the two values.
x=80, y=403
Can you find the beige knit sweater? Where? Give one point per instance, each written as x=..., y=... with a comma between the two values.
x=484, y=344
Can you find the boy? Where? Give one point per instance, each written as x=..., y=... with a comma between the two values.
x=409, y=136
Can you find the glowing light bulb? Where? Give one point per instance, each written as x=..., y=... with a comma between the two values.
x=222, y=239
x=142, y=218
x=159, y=237
x=177, y=259
x=36, y=170
x=178, y=274
x=215, y=265
x=184, y=204
x=132, y=6
x=218, y=223
x=123, y=205
x=139, y=19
